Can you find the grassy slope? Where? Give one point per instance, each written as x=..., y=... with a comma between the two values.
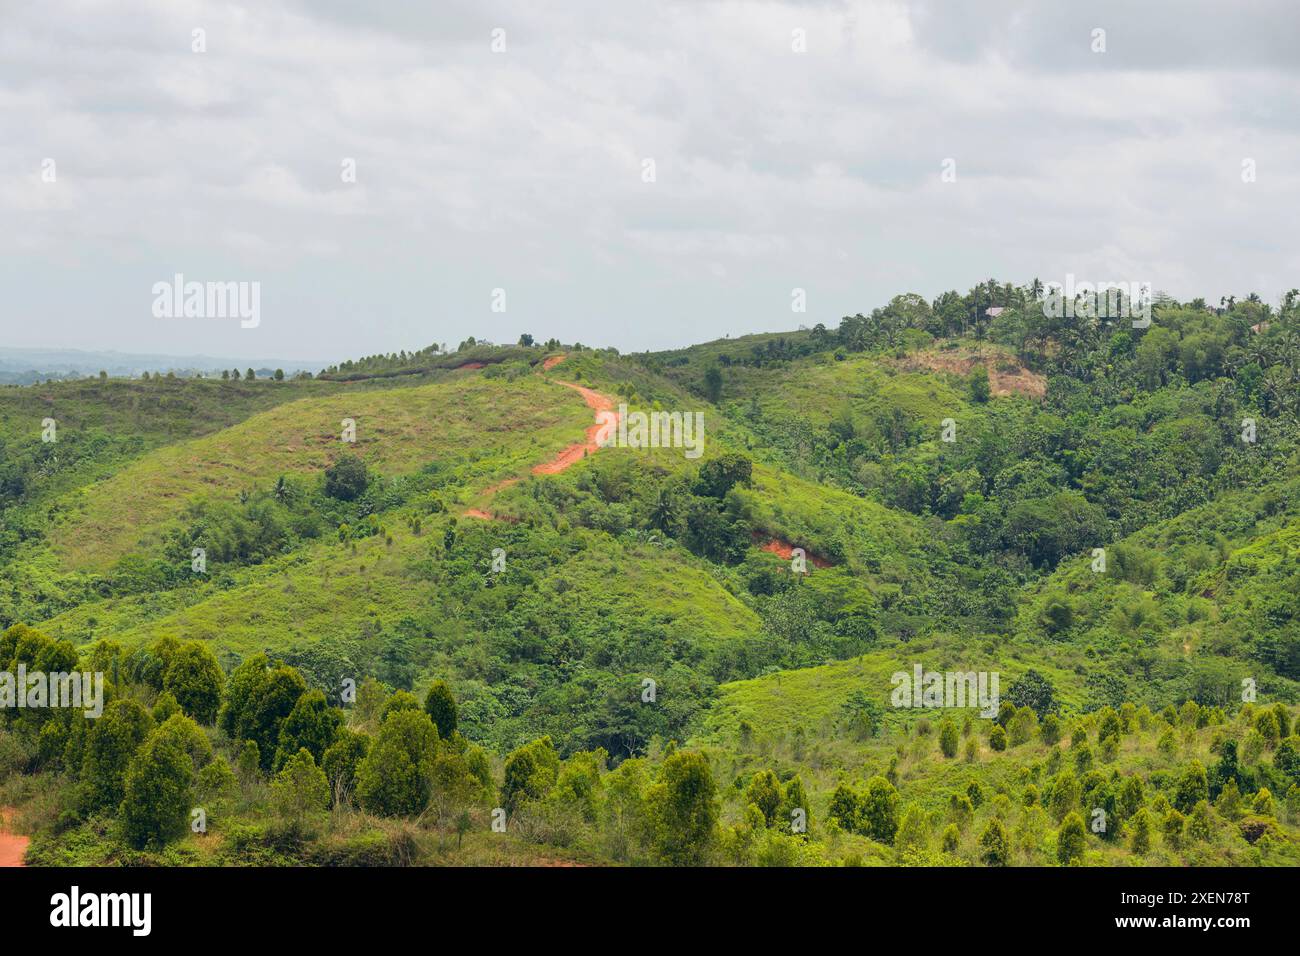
x=397, y=431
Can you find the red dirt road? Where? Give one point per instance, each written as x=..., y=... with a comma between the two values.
x=13, y=846
x=575, y=453
x=571, y=455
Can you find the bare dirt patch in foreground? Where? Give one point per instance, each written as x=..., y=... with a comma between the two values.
x=13, y=846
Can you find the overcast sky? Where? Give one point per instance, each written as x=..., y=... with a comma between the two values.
x=524, y=169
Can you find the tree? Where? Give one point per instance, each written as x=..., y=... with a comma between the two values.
x=312, y=725
x=216, y=786
x=113, y=741
x=454, y=785
x=998, y=738
x=526, y=340
x=1131, y=795
x=913, y=831
x=300, y=788
x=388, y=781
x=684, y=809
x=794, y=807
x=1071, y=840
x=159, y=783
x=340, y=763
x=1065, y=794
x=530, y=772
x=1050, y=730
x=194, y=678
x=713, y=384
x=952, y=838
x=721, y=474
x=440, y=705
x=1199, y=824
x=1141, y=827
x=1192, y=787
x=844, y=808
x=1287, y=757
x=397, y=701
x=1267, y=725
x=879, y=810
x=1035, y=691
x=1021, y=727
x=347, y=478
x=995, y=848
x=1173, y=827
x=279, y=375
x=979, y=384
x=250, y=375
x=764, y=792
x=948, y=738
x=395, y=778
x=259, y=698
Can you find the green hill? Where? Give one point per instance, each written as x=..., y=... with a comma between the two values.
x=1070, y=508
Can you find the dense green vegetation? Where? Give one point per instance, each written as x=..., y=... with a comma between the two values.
x=384, y=650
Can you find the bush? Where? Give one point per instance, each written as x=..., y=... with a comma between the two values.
x=347, y=478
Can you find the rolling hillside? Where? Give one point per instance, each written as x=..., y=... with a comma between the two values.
x=869, y=499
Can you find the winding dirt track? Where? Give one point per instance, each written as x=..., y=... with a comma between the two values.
x=575, y=453
x=597, y=402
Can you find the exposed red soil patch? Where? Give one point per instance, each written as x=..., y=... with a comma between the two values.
x=13, y=846
x=575, y=453
x=478, y=513
x=469, y=365
x=785, y=551
x=554, y=360
x=1005, y=376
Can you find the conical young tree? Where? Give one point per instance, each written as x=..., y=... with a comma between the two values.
x=684, y=810
x=194, y=678
x=1141, y=829
x=764, y=792
x=300, y=788
x=795, y=814
x=440, y=705
x=913, y=831
x=312, y=725
x=1071, y=840
x=158, y=791
x=1192, y=787
x=948, y=738
x=113, y=741
x=395, y=776
x=1173, y=827
x=879, y=810
x=995, y=848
